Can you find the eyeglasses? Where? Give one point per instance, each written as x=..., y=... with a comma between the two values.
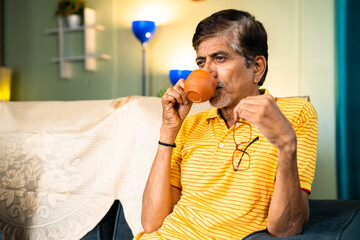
x=241, y=158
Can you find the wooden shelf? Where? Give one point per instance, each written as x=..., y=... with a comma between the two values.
x=81, y=58
x=81, y=28
x=89, y=56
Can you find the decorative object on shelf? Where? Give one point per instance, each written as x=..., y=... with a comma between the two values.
x=144, y=31
x=73, y=20
x=5, y=83
x=176, y=75
x=72, y=10
x=89, y=56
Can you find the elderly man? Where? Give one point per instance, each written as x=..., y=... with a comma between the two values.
x=245, y=165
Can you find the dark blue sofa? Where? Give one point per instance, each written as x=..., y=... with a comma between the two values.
x=329, y=219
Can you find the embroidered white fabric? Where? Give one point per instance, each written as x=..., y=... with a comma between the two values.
x=62, y=164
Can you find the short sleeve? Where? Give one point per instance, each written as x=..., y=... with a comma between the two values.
x=307, y=139
x=176, y=159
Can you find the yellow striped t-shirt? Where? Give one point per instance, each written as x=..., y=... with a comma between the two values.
x=216, y=202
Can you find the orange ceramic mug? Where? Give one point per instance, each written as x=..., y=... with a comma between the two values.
x=200, y=86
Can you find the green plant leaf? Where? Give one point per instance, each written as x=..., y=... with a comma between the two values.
x=162, y=91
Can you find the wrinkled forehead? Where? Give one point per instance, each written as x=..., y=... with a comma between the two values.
x=211, y=45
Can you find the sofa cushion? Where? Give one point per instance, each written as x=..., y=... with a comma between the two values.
x=51, y=182
x=62, y=164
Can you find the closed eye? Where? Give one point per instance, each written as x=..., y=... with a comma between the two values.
x=220, y=58
x=200, y=63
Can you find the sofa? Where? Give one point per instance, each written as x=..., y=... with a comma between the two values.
x=77, y=170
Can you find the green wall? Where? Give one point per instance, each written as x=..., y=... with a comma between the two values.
x=301, y=55
x=28, y=51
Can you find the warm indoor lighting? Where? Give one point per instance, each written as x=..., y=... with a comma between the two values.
x=5, y=83
x=160, y=12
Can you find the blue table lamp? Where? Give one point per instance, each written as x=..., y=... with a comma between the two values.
x=144, y=31
x=175, y=75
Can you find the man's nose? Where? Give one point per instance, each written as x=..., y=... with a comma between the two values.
x=209, y=67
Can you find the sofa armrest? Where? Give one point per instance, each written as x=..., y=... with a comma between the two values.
x=329, y=219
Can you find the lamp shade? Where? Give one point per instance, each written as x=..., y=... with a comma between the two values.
x=176, y=75
x=143, y=30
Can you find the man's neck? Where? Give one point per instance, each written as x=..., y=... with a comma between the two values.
x=228, y=115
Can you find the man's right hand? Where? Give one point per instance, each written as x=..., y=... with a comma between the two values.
x=159, y=196
x=175, y=108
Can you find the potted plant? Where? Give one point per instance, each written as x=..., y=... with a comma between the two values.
x=73, y=10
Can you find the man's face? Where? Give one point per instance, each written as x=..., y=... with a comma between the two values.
x=234, y=80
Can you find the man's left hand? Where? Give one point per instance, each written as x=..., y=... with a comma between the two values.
x=263, y=112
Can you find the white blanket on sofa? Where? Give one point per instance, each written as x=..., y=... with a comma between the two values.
x=62, y=164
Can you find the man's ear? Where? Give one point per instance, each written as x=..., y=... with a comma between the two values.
x=259, y=68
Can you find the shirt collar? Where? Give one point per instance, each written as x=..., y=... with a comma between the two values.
x=214, y=112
